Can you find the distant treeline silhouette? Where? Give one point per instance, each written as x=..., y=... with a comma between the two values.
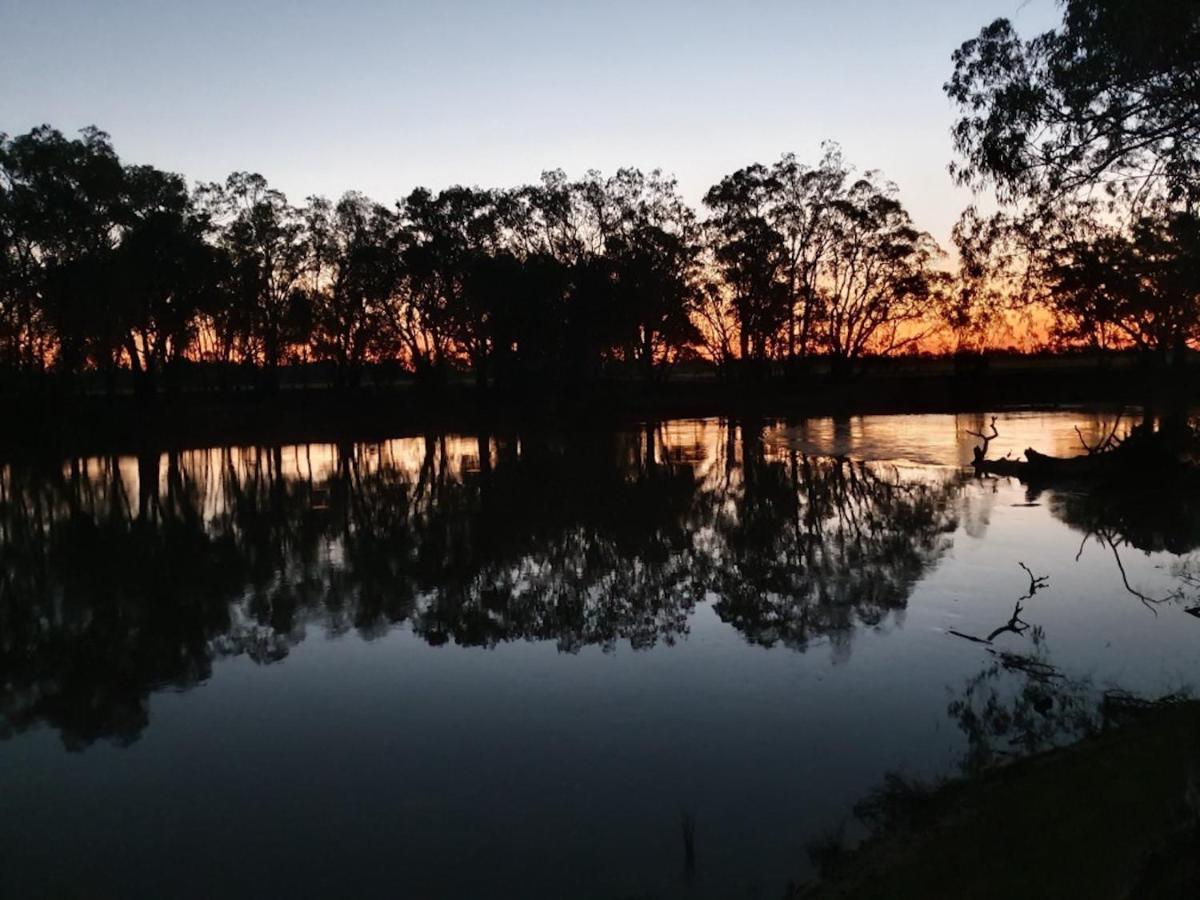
x=1088, y=135
x=108, y=265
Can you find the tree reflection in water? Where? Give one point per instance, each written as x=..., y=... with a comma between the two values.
x=1150, y=521
x=811, y=547
x=124, y=576
x=1021, y=703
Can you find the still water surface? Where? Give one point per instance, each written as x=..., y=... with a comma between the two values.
x=514, y=665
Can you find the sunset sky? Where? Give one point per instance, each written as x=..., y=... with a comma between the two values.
x=384, y=96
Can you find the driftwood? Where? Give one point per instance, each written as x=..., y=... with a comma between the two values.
x=1015, y=624
x=1141, y=455
x=1042, y=466
x=980, y=452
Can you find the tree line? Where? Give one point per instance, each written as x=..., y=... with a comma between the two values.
x=107, y=266
x=1087, y=137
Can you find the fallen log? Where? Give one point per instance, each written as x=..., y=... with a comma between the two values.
x=1042, y=466
x=1143, y=455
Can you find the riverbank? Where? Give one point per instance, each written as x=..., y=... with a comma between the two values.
x=1114, y=816
x=41, y=420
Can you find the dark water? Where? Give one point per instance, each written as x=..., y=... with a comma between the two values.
x=518, y=664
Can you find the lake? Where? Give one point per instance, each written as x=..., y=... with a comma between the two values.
x=650, y=662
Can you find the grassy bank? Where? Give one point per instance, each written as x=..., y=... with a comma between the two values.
x=1110, y=817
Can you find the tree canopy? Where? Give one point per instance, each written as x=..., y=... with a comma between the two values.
x=109, y=266
x=1110, y=98
x=1089, y=136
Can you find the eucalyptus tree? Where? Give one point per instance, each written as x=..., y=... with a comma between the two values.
x=1109, y=98
x=1136, y=286
x=549, y=218
x=167, y=274
x=802, y=211
x=440, y=319
x=25, y=338
x=109, y=260
x=880, y=289
x=656, y=292
x=591, y=270
x=64, y=206
x=555, y=318
x=652, y=241
x=13, y=324
x=1089, y=134
x=265, y=315
x=716, y=323
x=354, y=275
x=988, y=286
x=750, y=255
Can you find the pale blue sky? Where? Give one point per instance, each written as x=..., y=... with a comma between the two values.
x=383, y=96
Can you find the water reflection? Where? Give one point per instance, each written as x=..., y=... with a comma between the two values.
x=125, y=576
x=809, y=547
x=542, y=623
x=1150, y=521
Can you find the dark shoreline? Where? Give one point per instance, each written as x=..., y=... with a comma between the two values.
x=1106, y=816
x=41, y=424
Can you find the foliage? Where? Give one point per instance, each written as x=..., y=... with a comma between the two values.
x=109, y=266
x=1089, y=134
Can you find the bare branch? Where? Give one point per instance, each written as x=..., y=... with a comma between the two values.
x=1110, y=442
x=980, y=452
x=1147, y=601
x=1036, y=582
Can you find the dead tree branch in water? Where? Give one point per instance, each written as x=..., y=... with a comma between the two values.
x=968, y=637
x=1113, y=540
x=1015, y=624
x=1082, y=544
x=1035, y=668
x=1149, y=602
x=1036, y=582
x=1110, y=442
x=980, y=452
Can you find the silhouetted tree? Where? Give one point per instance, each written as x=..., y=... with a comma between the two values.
x=355, y=274
x=65, y=205
x=652, y=242
x=802, y=212
x=264, y=237
x=448, y=233
x=750, y=255
x=106, y=266
x=717, y=324
x=876, y=279
x=111, y=260
x=655, y=293
x=1090, y=135
x=166, y=274
x=1107, y=98
x=1140, y=287
x=525, y=305
x=25, y=337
